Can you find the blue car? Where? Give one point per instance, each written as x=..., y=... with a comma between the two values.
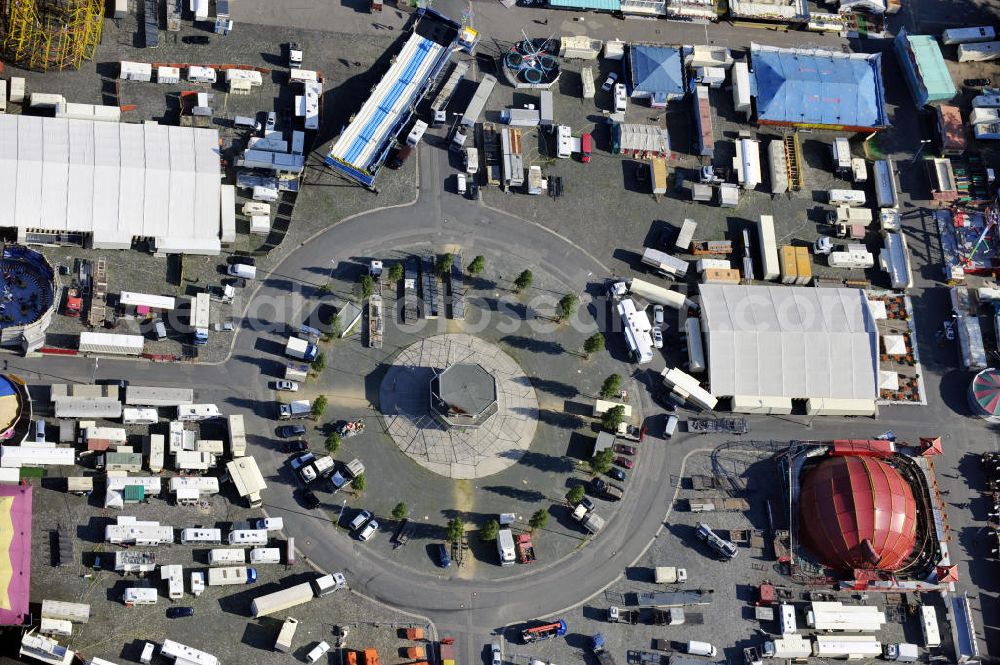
x=179, y=612
x=443, y=560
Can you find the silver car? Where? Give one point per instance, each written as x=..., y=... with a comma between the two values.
x=657, y=338
x=368, y=531
x=495, y=648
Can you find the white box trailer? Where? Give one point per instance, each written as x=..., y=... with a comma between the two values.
x=657, y=294
x=929, y=626
x=111, y=344
x=195, y=412
x=168, y=75
x=686, y=234
x=247, y=537
x=156, y=396
x=139, y=596
x=746, y=163
x=226, y=557
x=237, y=436
x=281, y=600
x=196, y=536
x=57, y=627
x=851, y=260
x=953, y=36
x=841, y=153
x=57, y=609
x=741, y=87
x=695, y=346
x=139, y=416
x=284, y=641
x=663, y=263
x=849, y=197
x=850, y=647
x=587, y=76
x=16, y=89
x=768, y=248
x=837, y=617
x=135, y=71
x=259, y=555
x=231, y=575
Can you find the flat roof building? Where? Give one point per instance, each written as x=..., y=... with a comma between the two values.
x=773, y=344
x=924, y=68
x=106, y=185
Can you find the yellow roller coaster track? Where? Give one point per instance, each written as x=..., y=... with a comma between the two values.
x=45, y=35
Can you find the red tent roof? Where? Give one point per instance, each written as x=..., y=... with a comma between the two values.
x=857, y=512
x=930, y=445
x=947, y=574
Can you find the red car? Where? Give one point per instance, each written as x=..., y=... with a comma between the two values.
x=586, y=147
x=623, y=449
x=624, y=462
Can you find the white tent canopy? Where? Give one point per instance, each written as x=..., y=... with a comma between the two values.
x=894, y=345
x=781, y=341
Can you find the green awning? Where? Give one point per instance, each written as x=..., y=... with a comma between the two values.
x=598, y=5
x=133, y=493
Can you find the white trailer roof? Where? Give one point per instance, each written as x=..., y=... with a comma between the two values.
x=781, y=341
x=24, y=455
x=133, y=299
x=115, y=181
x=87, y=407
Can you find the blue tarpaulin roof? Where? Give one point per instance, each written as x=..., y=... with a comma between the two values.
x=818, y=87
x=656, y=71
x=597, y=5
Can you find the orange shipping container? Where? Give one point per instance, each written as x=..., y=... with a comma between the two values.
x=352, y=658
x=802, y=265
x=721, y=276
x=415, y=652
x=789, y=271
x=371, y=657
x=415, y=633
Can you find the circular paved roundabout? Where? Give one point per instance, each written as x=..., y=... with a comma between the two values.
x=459, y=406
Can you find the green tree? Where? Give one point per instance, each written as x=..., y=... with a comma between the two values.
x=360, y=483
x=601, y=462
x=396, y=272
x=400, y=511
x=593, y=344
x=444, y=264
x=367, y=286
x=613, y=417
x=575, y=494
x=539, y=519
x=335, y=329
x=612, y=386
x=489, y=531
x=567, y=305
x=477, y=265
x=319, y=406
x=456, y=529
x=333, y=443
x=523, y=281
x=319, y=364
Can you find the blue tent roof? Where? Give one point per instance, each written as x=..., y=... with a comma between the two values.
x=818, y=87
x=657, y=71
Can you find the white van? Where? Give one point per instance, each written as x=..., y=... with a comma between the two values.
x=700, y=649
x=226, y=557
x=270, y=523
x=460, y=183
x=260, y=555
x=268, y=194
x=317, y=652
x=417, y=133
x=671, y=426
x=243, y=270
x=621, y=98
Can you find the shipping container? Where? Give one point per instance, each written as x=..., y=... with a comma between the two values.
x=285, y=636
x=953, y=36
x=741, y=87
x=686, y=234
x=768, y=248
x=57, y=609
x=885, y=183
x=16, y=90
x=479, y=100
x=789, y=269
x=724, y=276
x=703, y=121
x=111, y=344
x=980, y=52
x=803, y=266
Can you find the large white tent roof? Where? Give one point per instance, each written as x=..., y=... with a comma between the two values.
x=115, y=181
x=794, y=342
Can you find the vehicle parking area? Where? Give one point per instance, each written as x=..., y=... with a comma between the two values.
x=222, y=624
x=738, y=469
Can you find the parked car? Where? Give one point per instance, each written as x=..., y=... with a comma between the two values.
x=473, y=193
x=657, y=338
x=179, y=612
x=460, y=183
x=617, y=474
x=657, y=315
x=368, y=531
x=598, y=486
x=196, y=39
x=623, y=449
x=441, y=555
x=310, y=500
x=224, y=326
x=360, y=519
x=610, y=82
x=288, y=386
x=295, y=446
x=977, y=83
x=301, y=461
x=587, y=504
x=291, y=431
x=624, y=462
x=495, y=649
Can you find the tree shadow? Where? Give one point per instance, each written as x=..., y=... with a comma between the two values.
x=553, y=387
x=533, y=345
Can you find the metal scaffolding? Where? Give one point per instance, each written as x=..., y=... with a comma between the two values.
x=44, y=35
